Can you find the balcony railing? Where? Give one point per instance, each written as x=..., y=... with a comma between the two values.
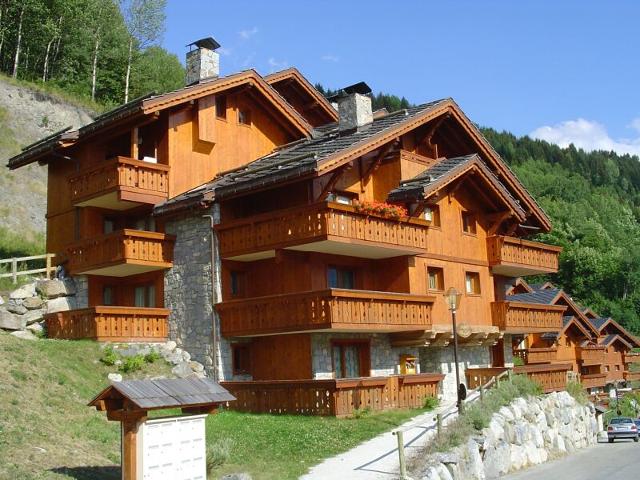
x=516, y=257
x=537, y=355
x=592, y=355
x=322, y=227
x=109, y=323
x=518, y=317
x=632, y=376
x=331, y=309
x=632, y=357
x=341, y=397
x=593, y=380
x=122, y=253
x=477, y=377
x=120, y=183
x=552, y=377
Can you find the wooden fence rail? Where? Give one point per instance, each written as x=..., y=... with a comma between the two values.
x=15, y=272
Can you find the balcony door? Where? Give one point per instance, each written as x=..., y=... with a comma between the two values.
x=350, y=359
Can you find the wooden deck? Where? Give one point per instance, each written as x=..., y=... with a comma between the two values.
x=110, y=324
x=340, y=398
x=122, y=253
x=518, y=317
x=322, y=227
x=516, y=257
x=120, y=183
x=330, y=309
x=537, y=355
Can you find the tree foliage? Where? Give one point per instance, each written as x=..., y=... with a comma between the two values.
x=64, y=42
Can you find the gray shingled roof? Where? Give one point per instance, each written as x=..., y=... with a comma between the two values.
x=169, y=392
x=544, y=297
x=598, y=322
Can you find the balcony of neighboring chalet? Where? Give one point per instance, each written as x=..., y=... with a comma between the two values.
x=332, y=309
x=121, y=253
x=515, y=317
x=120, y=183
x=536, y=355
x=591, y=355
x=515, y=257
x=325, y=227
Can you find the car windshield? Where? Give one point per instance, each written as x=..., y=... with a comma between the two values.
x=637, y=422
x=620, y=420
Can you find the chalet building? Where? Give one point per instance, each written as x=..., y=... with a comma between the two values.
x=299, y=247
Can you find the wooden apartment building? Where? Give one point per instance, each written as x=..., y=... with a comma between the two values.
x=296, y=246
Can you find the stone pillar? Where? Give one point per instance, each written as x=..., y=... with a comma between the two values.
x=508, y=350
x=82, y=291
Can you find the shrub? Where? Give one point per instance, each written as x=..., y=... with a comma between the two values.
x=386, y=210
x=109, y=356
x=576, y=390
x=431, y=403
x=361, y=412
x=132, y=364
x=218, y=453
x=152, y=356
x=518, y=362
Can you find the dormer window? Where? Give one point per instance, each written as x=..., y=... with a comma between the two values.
x=432, y=214
x=244, y=117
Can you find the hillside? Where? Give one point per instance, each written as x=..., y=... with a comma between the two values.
x=27, y=115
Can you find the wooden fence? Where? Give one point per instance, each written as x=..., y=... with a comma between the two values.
x=15, y=263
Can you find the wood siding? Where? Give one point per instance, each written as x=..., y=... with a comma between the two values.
x=331, y=309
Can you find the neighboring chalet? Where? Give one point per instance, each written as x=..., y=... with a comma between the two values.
x=299, y=249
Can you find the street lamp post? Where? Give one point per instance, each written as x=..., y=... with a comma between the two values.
x=452, y=297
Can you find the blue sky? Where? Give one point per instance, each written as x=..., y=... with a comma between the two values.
x=560, y=70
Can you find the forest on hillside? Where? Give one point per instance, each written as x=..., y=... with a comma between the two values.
x=104, y=50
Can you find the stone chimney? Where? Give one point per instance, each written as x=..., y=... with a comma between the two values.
x=203, y=63
x=354, y=106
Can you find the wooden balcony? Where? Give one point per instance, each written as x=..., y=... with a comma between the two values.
x=120, y=183
x=122, y=253
x=329, y=310
x=110, y=324
x=592, y=355
x=632, y=357
x=520, y=318
x=552, y=377
x=632, y=376
x=338, y=398
x=477, y=377
x=515, y=257
x=537, y=355
x=593, y=380
x=323, y=227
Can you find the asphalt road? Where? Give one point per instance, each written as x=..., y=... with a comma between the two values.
x=617, y=461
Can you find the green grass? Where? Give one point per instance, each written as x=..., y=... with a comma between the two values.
x=46, y=385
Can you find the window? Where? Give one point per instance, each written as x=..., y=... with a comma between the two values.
x=145, y=296
x=107, y=296
x=617, y=368
x=221, y=106
x=240, y=358
x=432, y=214
x=469, y=223
x=147, y=224
x=237, y=283
x=244, y=117
x=472, y=283
x=350, y=359
x=108, y=225
x=606, y=368
x=436, y=278
x=340, y=277
x=340, y=197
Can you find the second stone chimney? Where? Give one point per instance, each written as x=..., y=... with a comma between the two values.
x=203, y=62
x=354, y=106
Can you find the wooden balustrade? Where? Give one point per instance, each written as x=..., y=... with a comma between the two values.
x=632, y=357
x=517, y=257
x=537, y=355
x=552, y=377
x=120, y=183
x=312, y=227
x=338, y=309
x=632, y=376
x=122, y=253
x=518, y=317
x=339, y=397
x=110, y=323
x=477, y=377
x=593, y=380
x=592, y=355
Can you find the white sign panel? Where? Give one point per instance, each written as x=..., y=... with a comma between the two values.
x=173, y=448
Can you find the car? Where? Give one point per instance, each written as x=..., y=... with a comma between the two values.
x=637, y=422
x=622, y=427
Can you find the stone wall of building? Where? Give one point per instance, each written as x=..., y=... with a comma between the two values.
x=82, y=291
x=385, y=359
x=440, y=360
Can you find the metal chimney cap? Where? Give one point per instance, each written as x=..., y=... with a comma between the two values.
x=208, y=43
x=361, y=87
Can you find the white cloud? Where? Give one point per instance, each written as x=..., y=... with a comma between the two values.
x=589, y=135
x=330, y=58
x=246, y=34
x=276, y=65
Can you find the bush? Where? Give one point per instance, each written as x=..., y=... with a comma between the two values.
x=576, y=390
x=218, y=453
x=518, y=362
x=132, y=364
x=152, y=356
x=109, y=357
x=431, y=403
x=361, y=412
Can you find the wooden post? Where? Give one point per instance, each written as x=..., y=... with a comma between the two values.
x=509, y=372
x=134, y=143
x=130, y=447
x=49, y=267
x=439, y=424
x=14, y=269
x=401, y=458
x=481, y=390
